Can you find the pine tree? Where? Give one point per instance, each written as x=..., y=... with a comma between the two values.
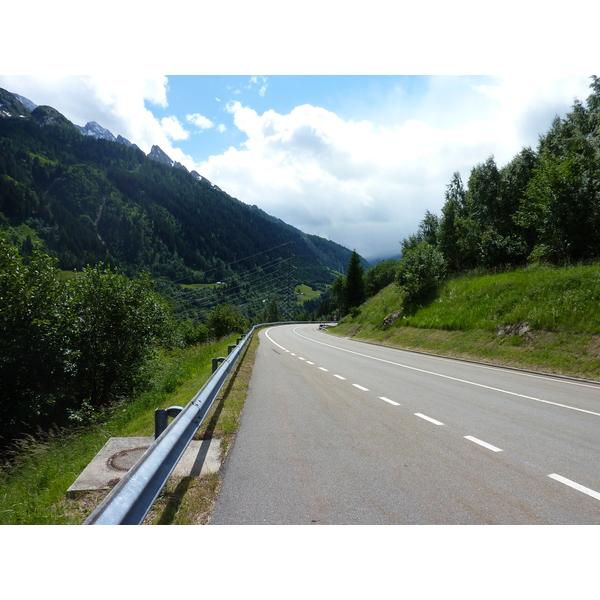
x=354, y=283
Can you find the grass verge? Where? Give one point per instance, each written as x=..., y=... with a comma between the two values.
x=543, y=319
x=34, y=484
x=190, y=500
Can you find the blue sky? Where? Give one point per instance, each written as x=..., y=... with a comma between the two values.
x=349, y=97
x=356, y=159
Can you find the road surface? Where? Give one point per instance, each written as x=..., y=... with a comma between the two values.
x=336, y=431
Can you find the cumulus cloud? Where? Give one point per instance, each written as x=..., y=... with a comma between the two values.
x=315, y=170
x=174, y=129
x=368, y=186
x=199, y=121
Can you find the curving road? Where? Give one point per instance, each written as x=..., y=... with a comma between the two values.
x=336, y=431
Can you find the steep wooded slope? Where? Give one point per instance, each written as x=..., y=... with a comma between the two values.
x=92, y=200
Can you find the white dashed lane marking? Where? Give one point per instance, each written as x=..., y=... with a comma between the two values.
x=572, y=484
x=482, y=443
x=575, y=486
x=428, y=419
x=388, y=400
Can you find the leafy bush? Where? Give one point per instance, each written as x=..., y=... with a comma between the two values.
x=70, y=345
x=117, y=323
x=380, y=276
x=420, y=273
x=194, y=332
x=225, y=319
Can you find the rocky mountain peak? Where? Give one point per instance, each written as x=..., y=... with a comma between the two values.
x=159, y=156
x=46, y=115
x=94, y=130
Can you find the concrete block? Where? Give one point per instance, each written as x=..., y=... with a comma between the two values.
x=118, y=455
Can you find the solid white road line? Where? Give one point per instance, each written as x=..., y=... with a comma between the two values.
x=360, y=387
x=388, y=400
x=482, y=443
x=428, y=419
x=466, y=381
x=340, y=377
x=489, y=367
x=575, y=486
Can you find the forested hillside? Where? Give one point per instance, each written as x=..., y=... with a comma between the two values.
x=163, y=259
x=91, y=200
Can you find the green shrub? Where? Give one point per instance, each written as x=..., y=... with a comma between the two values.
x=70, y=346
x=420, y=273
x=225, y=319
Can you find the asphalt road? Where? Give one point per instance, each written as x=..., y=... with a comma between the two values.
x=336, y=431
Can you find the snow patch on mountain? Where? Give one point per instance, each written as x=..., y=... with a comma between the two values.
x=97, y=131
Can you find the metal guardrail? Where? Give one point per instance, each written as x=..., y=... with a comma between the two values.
x=131, y=499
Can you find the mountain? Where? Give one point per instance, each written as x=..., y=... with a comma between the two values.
x=93, y=129
x=11, y=105
x=92, y=197
x=159, y=156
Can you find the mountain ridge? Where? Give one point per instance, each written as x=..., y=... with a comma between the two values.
x=91, y=129
x=91, y=199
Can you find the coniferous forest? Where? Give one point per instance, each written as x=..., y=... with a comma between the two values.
x=91, y=200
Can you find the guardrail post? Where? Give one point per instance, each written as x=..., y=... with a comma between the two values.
x=161, y=418
x=230, y=349
x=216, y=362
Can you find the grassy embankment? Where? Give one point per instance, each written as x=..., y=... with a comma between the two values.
x=33, y=489
x=540, y=318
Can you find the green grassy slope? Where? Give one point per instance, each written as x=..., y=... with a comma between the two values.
x=33, y=488
x=540, y=318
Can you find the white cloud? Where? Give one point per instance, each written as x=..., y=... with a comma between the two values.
x=174, y=129
x=368, y=186
x=221, y=128
x=199, y=121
